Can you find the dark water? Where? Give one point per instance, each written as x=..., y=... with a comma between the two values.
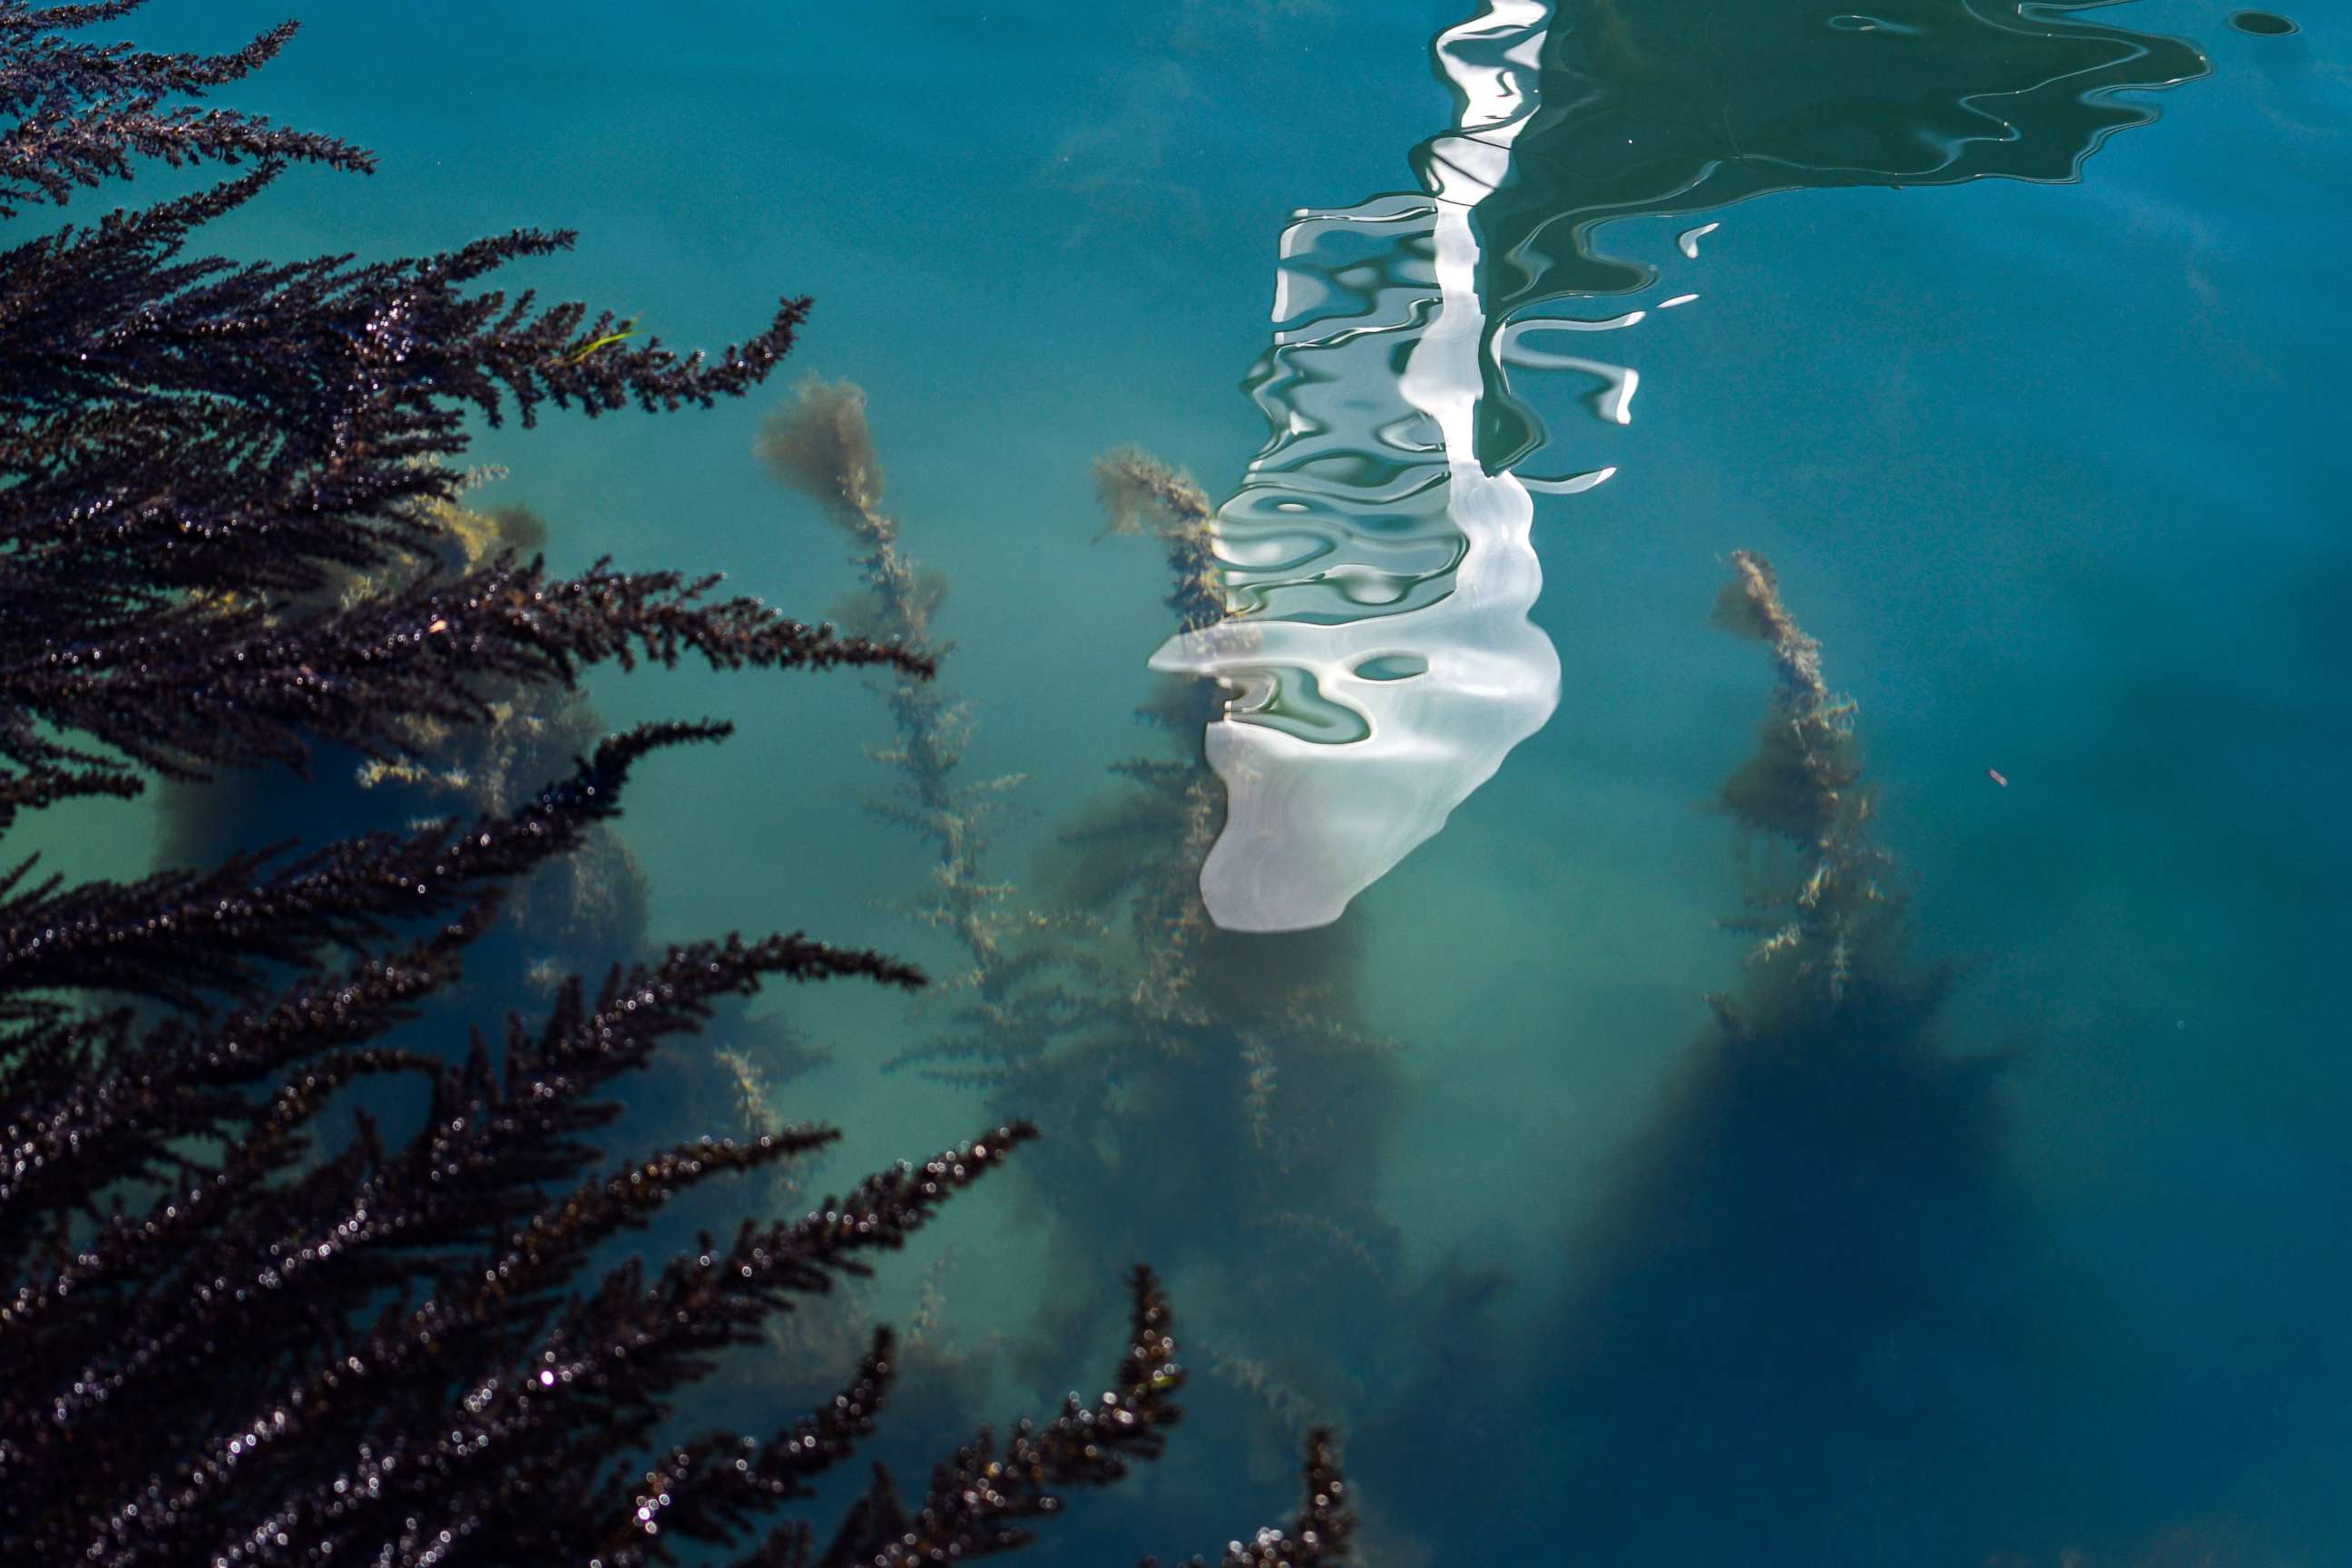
x=2017, y=352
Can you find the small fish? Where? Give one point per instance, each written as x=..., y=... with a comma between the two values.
x=1997, y=777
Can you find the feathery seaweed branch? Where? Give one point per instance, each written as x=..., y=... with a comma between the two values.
x=227, y=1335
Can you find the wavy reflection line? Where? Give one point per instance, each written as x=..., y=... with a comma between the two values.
x=1379, y=687
x=1370, y=529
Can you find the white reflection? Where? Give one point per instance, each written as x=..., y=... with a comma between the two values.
x=1383, y=462
x=1688, y=239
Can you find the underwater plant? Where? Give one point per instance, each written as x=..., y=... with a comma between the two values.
x=1211, y=1099
x=259, y=1305
x=1818, y=1241
x=581, y=913
x=1060, y=1011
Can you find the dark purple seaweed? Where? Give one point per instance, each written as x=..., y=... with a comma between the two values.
x=230, y=1333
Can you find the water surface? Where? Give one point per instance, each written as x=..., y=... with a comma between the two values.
x=2016, y=349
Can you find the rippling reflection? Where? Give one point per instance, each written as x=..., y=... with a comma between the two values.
x=1379, y=576
x=1384, y=519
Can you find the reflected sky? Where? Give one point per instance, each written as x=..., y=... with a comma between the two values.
x=1387, y=518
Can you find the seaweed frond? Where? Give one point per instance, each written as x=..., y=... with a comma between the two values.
x=287, y=1276
x=1141, y=494
x=820, y=444
x=1802, y=783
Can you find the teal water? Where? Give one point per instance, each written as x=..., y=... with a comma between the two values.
x=2053, y=466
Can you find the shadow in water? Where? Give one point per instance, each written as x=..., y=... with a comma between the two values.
x=1813, y=1321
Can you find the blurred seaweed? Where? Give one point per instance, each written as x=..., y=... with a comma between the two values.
x=230, y=536
x=1217, y=1103
x=1819, y=1239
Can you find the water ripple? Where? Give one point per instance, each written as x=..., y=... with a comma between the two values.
x=1380, y=651
x=1378, y=568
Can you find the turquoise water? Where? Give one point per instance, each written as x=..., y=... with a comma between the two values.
x=2052, y=468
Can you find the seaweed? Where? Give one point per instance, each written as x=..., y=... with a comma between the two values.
x=580, y=913
x=821, y=444
x=1800, y=783
x=1811, y=1289
x=1215, y=1101
x=1071, y=1009
x=228, y=1331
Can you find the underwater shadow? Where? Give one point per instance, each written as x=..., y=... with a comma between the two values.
x=1814, y=1317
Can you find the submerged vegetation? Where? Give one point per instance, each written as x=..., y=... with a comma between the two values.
x=258, y=1306
x=1817, y=1236
x=306, y=1201
x=1228, y=1106
x=1237, y=1115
